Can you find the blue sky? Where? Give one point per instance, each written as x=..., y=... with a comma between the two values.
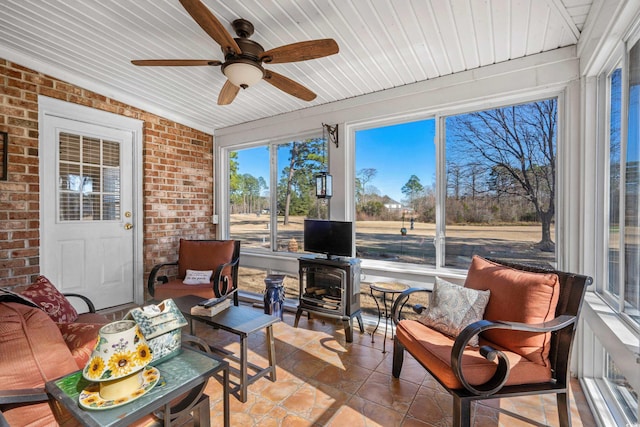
x=396, y=152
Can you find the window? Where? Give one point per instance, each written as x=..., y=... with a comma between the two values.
x=624, y=396
x=395, y=193
x=275, y=222
x=615, y=123
x=89, y=178
x=623, y=286
x=496, y=197
x=249, y=210
x=631, y=280
x=500, y=188
x=611, y=366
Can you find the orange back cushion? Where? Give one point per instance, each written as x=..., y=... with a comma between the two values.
x=204, y=255
x=32, y=352
x=516, y=296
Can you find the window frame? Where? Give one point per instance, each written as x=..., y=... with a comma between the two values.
x=224, y=198
x=606, y=329
x=342, y=166
x=621, y=60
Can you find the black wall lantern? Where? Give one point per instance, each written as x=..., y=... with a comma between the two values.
x=324, y=183
x=324, y=186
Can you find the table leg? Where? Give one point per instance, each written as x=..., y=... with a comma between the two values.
x=202, y=412
x=379, y=314
x=225, y=396
x=271, y=350
x=243, y=368
x=386, y=322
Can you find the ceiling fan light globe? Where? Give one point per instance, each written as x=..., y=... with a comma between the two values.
x=243, y=74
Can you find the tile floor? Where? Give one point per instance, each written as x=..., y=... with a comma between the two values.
x=324, y=381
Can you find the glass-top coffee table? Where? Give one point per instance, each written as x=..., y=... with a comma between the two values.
x=184, y=374
x=241, y=321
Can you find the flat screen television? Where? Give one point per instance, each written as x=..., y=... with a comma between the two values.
x=333, y=238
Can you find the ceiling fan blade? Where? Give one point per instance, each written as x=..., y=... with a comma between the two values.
x=175, y=62
x=228, y=93
x=301, y=51
x=210, y=24
x=287, y=85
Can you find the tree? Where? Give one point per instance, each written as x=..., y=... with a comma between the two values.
x=412, y=189
x=363, y=177
x=518, y=143
x=295, y=189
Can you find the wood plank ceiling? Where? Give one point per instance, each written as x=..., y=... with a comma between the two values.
x=383, y=44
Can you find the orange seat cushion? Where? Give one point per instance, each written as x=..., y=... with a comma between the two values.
x=516, y=296
x=433, y=350
x=32, y=352
x=175, y=288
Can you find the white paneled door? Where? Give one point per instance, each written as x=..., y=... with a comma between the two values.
x=87, y=210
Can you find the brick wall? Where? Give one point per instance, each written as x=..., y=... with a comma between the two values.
x=177, y=170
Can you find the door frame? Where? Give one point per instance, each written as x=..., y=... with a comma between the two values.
x=50, y=107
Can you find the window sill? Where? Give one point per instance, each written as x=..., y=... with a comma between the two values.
x=372, y=270
x=616, y=336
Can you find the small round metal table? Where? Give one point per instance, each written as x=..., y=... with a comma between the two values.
x=385, y=288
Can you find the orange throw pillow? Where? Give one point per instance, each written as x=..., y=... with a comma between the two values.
x=516, y=296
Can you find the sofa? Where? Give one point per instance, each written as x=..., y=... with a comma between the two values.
x=42, y=337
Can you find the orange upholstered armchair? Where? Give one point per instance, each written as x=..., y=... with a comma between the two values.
x=207, y=268
x=507, y=332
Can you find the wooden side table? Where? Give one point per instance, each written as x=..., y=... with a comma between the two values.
x=188, y=372
x=241, y=321
x=385, y=288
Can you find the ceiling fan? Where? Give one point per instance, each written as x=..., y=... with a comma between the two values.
x=243, y=57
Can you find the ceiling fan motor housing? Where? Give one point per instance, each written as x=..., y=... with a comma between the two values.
x=250, y=56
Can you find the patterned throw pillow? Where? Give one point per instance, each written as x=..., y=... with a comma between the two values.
x=56, y=305
x=196, y=277
x=452, y=308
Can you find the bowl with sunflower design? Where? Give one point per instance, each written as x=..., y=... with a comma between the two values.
x=121, y=351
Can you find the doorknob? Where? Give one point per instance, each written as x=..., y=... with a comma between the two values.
x=128, y=226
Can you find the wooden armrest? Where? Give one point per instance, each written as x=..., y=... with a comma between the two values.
x=152, y=276
x=87, y=301
x=24, y=395
x=402, y=299
x=499, y=378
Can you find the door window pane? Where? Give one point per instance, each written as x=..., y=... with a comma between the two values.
x=500, y=198
x=89, y=178
x=395, y=193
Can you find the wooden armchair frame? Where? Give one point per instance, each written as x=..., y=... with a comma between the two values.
x=562, y=328
x=218, y=279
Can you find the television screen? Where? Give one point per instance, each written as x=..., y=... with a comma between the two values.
x=334, y=238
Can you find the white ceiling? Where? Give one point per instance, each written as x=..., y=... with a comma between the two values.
x=383, y=44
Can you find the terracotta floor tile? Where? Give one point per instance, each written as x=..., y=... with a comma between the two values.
x=316, y=401
x=388, y=391
x=432, y=406
x=361, y=412
x=324, y=381
x=348, y=378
